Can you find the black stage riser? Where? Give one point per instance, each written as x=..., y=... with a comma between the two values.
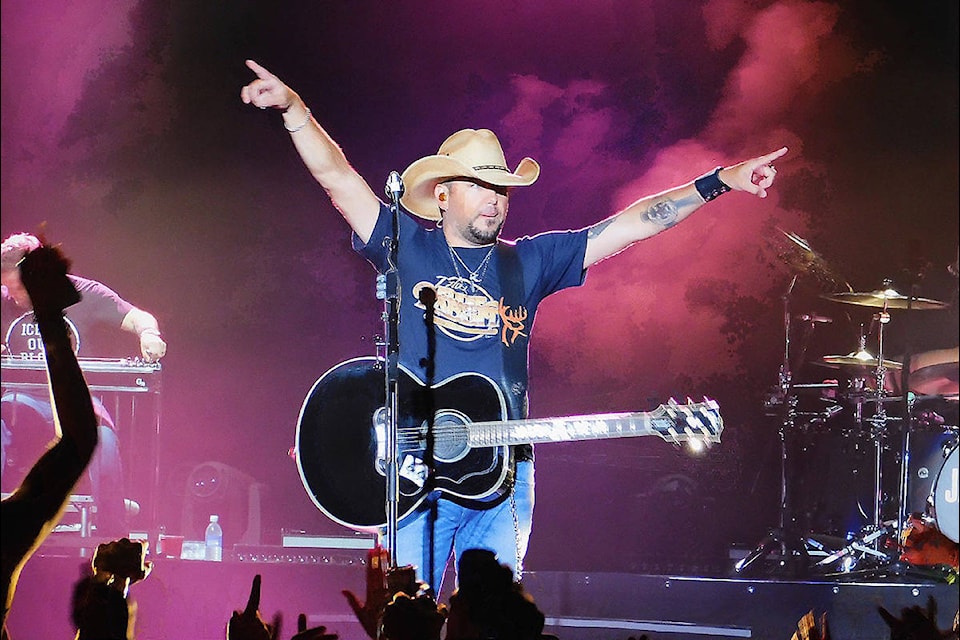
x=192, y=600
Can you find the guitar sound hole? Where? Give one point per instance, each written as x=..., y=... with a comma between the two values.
x=450, y=436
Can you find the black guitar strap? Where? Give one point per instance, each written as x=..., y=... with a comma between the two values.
x=514, y=382
x=514, y=347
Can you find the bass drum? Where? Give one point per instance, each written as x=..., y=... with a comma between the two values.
x=945, y=510
x=929, y=450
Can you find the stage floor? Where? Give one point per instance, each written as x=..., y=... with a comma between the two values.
x=193, y=599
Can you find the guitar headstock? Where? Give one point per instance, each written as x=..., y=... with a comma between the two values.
x=698, y=422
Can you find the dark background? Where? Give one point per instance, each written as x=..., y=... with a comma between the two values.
x=123, y=132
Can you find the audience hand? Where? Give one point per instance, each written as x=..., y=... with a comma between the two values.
x=100, y=608
x=915, y=623
x=316, y=633
x=370, y=612
x=121, y=563
x=248, y=625
x=43, y=273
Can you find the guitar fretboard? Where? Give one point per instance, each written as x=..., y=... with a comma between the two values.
x=673, y=423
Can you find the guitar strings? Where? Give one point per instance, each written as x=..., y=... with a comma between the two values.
x=417, y=431
x=413, y=434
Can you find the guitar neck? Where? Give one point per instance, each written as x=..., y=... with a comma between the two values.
x=668, y=422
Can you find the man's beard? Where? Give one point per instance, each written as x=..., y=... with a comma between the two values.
x=482, y=236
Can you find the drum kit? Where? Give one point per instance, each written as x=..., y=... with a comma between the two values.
x=863, y=454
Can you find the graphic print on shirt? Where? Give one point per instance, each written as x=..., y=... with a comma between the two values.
x=465, y=311
x=23, y=338
x=513, y=322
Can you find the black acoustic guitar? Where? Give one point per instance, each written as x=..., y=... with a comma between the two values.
x=341, y=438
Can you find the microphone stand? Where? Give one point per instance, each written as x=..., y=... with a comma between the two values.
x=391, y=320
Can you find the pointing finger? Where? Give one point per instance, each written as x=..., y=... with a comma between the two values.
x=770, y=157
x=277, y=625
x=261, y=71
x=887, y=617
x=353, y=602
x=254, y=602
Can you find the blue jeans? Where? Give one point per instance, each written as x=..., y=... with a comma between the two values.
x=27, y=428
x=503, y=529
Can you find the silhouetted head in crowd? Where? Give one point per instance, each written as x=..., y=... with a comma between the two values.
x=489, y=605
x=413, y=618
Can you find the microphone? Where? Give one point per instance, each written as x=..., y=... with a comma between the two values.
x=812, y=317
x=394, y=187
x=427, y=296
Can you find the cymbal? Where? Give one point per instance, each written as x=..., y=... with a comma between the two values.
x=863, y=359
x=888, y=298
x=802, y=258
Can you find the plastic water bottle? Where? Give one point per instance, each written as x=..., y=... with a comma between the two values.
x=213, y=538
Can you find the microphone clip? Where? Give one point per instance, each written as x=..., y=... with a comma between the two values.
x=394, y=187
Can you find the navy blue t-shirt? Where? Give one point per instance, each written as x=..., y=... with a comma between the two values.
x=475, y=327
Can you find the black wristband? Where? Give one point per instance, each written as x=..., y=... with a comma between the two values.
x=711, y=186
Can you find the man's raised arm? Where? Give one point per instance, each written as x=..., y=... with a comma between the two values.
x=348, y=191
x=650, y=215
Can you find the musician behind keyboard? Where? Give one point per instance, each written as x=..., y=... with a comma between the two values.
x=101, y=324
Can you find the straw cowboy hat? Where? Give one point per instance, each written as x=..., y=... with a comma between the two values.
x=469, y=153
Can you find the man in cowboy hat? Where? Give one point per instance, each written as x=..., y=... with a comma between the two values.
x=484, y=291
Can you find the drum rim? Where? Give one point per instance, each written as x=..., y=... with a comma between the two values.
x=950, y=457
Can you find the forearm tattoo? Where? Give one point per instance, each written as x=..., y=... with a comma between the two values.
x=664, y=213
x=598, y=228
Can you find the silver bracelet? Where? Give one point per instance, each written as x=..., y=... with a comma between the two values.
x=299, y=126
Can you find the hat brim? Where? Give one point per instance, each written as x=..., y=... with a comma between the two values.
x=420, y=178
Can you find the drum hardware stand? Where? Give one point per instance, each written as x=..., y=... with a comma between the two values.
x=792, y=546
x=870, y=539
x=908, y=403
x=858, y=385
x=860, y=544
x=878, y=424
